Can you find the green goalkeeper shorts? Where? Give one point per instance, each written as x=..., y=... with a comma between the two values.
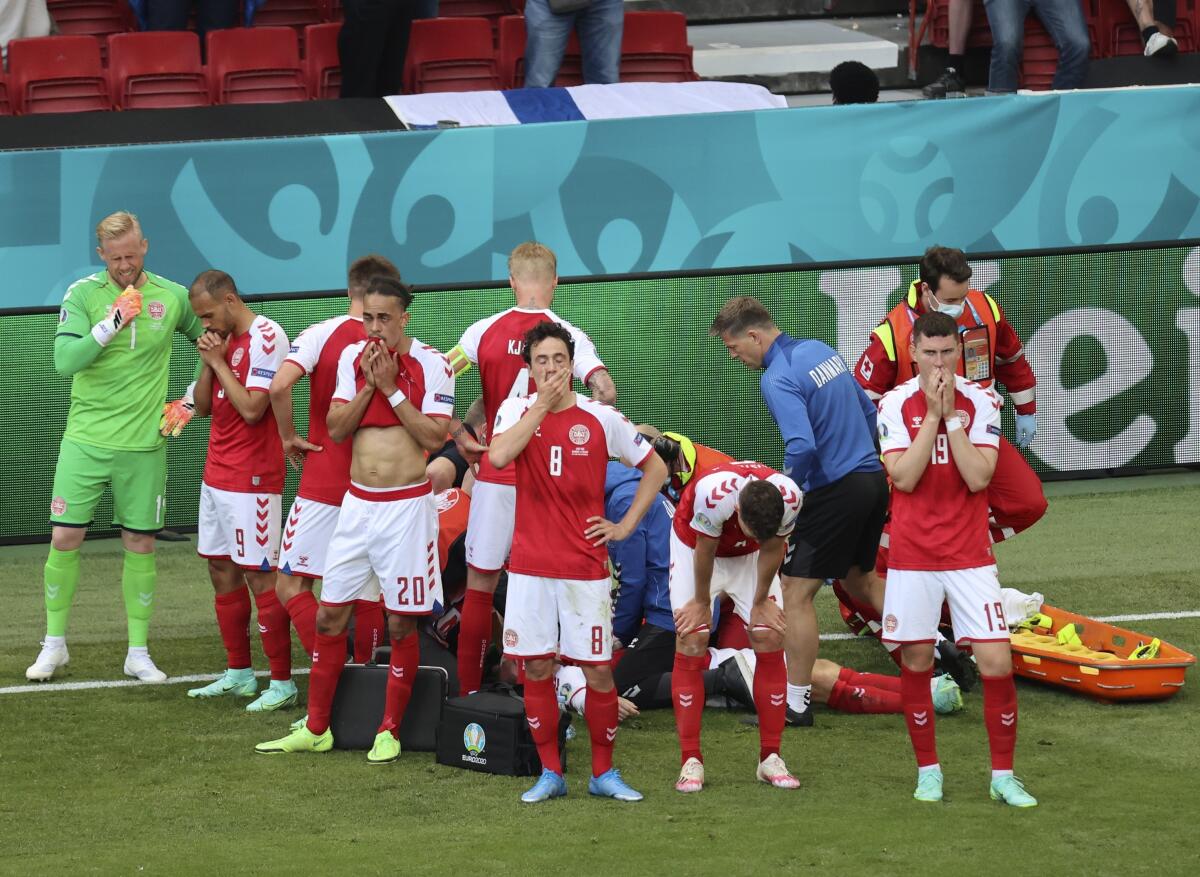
x=138, y=479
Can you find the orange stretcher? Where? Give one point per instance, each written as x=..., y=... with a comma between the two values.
x=1096, y=660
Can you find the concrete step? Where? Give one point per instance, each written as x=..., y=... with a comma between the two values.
x=709, y=11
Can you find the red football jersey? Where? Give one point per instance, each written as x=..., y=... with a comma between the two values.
x=560, y=484
x=326, y=474
x=424, y=377
x=709, y=506
x=495, y=344
x=247, y=457
x=940, y=525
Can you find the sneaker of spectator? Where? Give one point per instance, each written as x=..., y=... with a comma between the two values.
x=949, y=84
x=1158, y=44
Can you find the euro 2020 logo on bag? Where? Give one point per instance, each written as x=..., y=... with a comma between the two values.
x=474, y=740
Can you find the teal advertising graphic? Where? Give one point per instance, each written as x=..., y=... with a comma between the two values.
x=773, y=187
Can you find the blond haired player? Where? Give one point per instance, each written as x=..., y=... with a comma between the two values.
x=114, y=342
x=495, y=344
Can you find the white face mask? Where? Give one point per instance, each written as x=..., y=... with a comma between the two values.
x=954, y=311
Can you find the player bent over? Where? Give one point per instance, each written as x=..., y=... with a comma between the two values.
x=114, y=342
x=242, y=490
x=939, y=434
x=558, y=586
x=394, y=395
x=728, y=537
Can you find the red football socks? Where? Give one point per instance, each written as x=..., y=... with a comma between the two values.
x=601, y=714
x=368, y=629
x=687, y=695
x=406, y=656
x=849, y=698
x=474, y=637
x=541, y=711
x=276, y=634
x=770, y=700
x=870, y=680
x=233, y=620
x=303, y=611
x=1000, y=717
x=918, y=714
x=329, y=657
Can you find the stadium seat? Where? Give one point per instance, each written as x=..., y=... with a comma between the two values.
x=510, y=56
x=1039, y=60
x=96, y=18
x=938, y=13
x=296, y=14
x=255, y=65
x=5, y=106
x=322, y=66
x=56, y=75
x=450, y=54
x=654, y=48
x=492, y=10
x=156, y=69
x=331, y=10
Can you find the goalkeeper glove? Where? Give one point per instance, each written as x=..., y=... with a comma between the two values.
x=127, y=306
x=176, y=414
x=1026, y=429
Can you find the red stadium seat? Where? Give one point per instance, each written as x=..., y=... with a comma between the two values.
x=1039, y=60
x=492, y=10
x=331, y=10
x=450, y=54
x=156, y=69
x=57, y=75
x=5, y=106
x=297, y=14
x=97, y=18
x=322, y=66
x=510, y=56
x=654, y=48
x=255, y=65
x=979, y=36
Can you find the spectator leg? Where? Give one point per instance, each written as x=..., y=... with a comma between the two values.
x=1164, y=16
x=545, y=43
x=600, y=28
x=1007, y=21
x=167, y=14
x=391, y=73
x=1064, y=19
x=362, y=43
x=215, y=15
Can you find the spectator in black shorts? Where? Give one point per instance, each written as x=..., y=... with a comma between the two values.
x=830, y=450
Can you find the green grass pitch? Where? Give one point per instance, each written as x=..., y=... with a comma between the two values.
x=144, y=781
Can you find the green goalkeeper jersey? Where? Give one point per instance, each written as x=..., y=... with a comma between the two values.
x=116, y=401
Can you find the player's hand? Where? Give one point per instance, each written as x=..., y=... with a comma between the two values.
x=948, y=409
x=212, y=347
x=767, y=614
x=1026, y=429
x=295, y=447
x=122, y=312
x=367, y=363
x=470, y=447
x=626, y=709
x=603, y=530
x=386, y=367
x=692, y=616
x=555, y=390
x=175, y=417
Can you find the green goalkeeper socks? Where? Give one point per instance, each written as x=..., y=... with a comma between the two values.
x=138, y=577
x=61, y=579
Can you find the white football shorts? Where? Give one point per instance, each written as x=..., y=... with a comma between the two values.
x=307, y=532
x=243, y=527
x=912, y=605
x=490, y=525
x=736, y=577
x=544, y=617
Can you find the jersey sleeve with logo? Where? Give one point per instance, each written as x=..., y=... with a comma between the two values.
x=624, y=441
x=940, y=524
x=247, y=457
x=325, y=477
x=116, y=401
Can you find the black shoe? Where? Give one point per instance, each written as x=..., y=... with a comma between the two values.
x=735, y=680
x=949, y=83
x=793, y=719
x=959, y=665
x=171, y=536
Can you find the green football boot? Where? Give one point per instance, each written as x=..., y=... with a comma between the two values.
x=1012, y=792
x=278, y=695
x=302, y=740
x=929, y=786
x=240, y=683
x=386, y=749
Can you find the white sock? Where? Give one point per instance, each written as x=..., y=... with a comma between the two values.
x=798, y=697
x=139, y=652
x=55, y=642
x=997, y=774
x=717, y=657
x=921, y=771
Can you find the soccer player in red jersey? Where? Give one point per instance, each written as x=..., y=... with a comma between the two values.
x=395, y=396
x=559, y=598
x=939, y=434
x=243, y=485
x=495, y=345
x=325, y=477
x=728, y=537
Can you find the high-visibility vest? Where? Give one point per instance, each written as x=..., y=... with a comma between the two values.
x=976, y=327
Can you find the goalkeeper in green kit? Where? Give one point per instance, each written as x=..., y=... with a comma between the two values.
x=114, y=341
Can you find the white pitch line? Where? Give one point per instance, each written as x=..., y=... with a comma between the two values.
x=208, y=677
x=123, y=683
